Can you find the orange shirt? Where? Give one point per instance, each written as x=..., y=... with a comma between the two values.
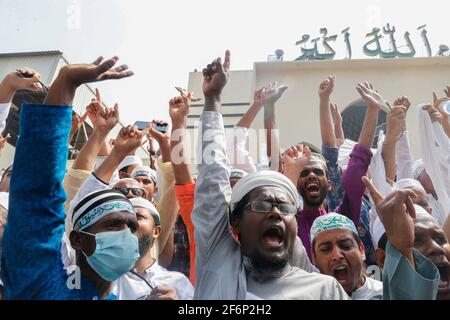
x=185, y=197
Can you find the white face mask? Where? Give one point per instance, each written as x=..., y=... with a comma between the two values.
x=115, y=254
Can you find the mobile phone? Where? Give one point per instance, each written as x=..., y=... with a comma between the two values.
x=159, y=128
x=142, y=125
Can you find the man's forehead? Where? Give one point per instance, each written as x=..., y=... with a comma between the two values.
x=315, y=165
x=269, y=192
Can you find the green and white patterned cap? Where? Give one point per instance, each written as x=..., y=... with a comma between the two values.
x=331, y=221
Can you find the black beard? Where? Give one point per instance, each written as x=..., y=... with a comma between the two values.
x=145, y=243
x=316, y=202
x=261, y=268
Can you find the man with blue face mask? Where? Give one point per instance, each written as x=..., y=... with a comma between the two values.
x=103, y=222
x=103, y=226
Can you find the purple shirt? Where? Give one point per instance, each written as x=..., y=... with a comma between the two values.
x=353, y=191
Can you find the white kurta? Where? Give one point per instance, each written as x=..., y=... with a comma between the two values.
x=371, y=290
x=131, y=287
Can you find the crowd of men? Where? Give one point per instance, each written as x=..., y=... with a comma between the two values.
x=307, y=225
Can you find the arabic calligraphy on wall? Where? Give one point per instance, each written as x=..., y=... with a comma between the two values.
x=374, y=47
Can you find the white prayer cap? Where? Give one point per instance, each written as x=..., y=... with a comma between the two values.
x=144, y=171
x=263, y=179
x=143, y=203
x=4, y=200
x=417, y=168
x=130, y=161
x=408, y=183
x=97, y=205
x=331, y=221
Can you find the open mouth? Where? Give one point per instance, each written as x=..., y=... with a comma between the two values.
x=444, y=270
x=273, y=237
x=313, y=189
x=340, y=273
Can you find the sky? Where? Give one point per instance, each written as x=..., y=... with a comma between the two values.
x=162, y=41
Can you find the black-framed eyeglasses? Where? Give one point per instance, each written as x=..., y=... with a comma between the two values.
x=261, y=206
x=137, y=192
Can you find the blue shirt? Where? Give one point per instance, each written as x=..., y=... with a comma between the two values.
x=31, y=263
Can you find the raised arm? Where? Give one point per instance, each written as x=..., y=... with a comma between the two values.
x=438, y=103
x=395, y=126
x=360, y=157
x=36, y=211
x=326, y=121
x=407, y=275
x=184, y=188
x=374, y=102
x=213, y=190
x=128, y=140
x=247, y=119
x=237, y=151
x=103, y=120
x=167, y=205
x=337, y=122
x=8, y=87
x=269, y=97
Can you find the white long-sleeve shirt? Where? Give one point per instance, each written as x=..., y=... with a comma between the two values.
x=131, y=287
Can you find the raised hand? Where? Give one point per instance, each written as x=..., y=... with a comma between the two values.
x=396, y=212
x=403, y=102
x=13, y=82
x=370, y=95
x=271, y=93
x=295, y=159
x=128, y=140
x=103, y=119
x=157, y=135
x=163, y=139
x=395, y=122
x=215, y=77
x=179, y=106
x=326, y=87
x=4, y=140
x=434, y=113
x=438, y=102
x=77, y=121
x=99, y=70
x=71, y=76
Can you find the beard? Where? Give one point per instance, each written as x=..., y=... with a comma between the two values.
x=145, y=244
x=261, y=267
x=314, y=202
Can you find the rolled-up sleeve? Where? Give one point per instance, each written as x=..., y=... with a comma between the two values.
x=402, y=282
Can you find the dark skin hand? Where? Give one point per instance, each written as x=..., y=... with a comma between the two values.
x=62, y=91
x=215, y=77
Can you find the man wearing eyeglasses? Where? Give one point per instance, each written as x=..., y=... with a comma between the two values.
x=130, y=188
x=261, y=209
